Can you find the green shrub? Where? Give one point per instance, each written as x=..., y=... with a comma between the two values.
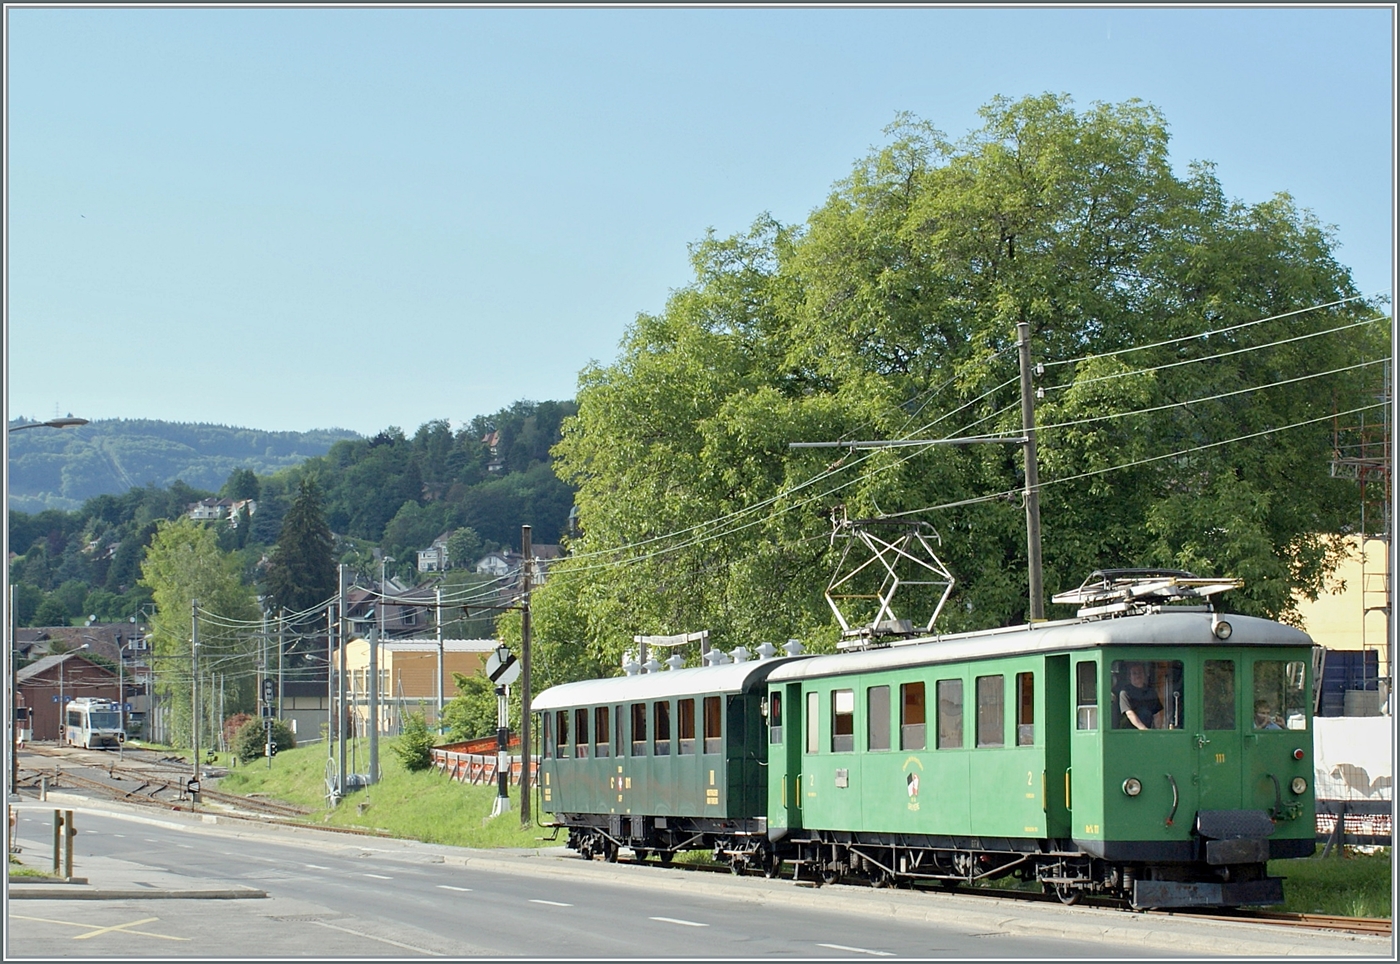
x=415, y=744
x=248, y=741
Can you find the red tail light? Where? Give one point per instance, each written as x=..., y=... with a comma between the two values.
x=1298, y=753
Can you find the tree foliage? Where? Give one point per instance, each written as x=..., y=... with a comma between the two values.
x=301, y=571
x=415, y=745
x=892, y=313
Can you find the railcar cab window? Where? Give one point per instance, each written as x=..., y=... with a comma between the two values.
x=661, y=713
x=991, y=711
x=600, y=731
x=1147, y=694
x=1278, y=695
x=950, y=714
x=912, y=716
x=1086, y=687
x=1218, y=694
x=639, y=729
x=843, y=721
x=1025, y=709
x=685, y=712
x=581, y=733
x=775, y=718
x=561, y=732
x=713, y=743
x=877, y=718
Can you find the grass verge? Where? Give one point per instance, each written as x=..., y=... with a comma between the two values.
x=1352, y=885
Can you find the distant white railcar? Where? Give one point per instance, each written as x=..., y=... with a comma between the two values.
x=93, y=724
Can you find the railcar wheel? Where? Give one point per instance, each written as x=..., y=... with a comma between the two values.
x=610, y=852
x=949, y=884
x=641, y=854
x=665, y=856
x=1069, y=895
x=830, y=876
x=772, y=866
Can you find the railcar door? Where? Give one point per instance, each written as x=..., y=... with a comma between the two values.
x=1059, y=718
x=785, y=734
x=1219, y=739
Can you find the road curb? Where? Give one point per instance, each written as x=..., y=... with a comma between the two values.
x=74, y=893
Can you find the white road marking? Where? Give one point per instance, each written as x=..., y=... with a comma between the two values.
x=316, y=867
x=185, y=845
x=118, y=835
x=383, y=940
x=857, y=950
x=551, y=903
x=149, y=840
x=378, y=876
x=677, y=920
x=465, y=890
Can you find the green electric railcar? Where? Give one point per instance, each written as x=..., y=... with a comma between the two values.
x=1160, y=758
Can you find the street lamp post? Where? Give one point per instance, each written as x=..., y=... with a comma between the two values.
x=62, y=705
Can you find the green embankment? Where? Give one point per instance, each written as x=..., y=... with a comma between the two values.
x=428, y=806
x=423, y=806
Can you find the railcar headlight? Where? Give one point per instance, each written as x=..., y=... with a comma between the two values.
x=1298, y=786
x=1222, y=629
x=1132, y=786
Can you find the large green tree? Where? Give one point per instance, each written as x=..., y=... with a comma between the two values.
x=1189, y=375
x=301, y=570
x=183, y=566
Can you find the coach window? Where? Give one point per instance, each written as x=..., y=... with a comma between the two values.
x=877, y=718
x=991, y=711
x=547, y=721
x=619, y=748
x=685, y=717
x=843, y=721
x=600, y=731
x=713, y=722
x=581, y=733
x=950, y=714
x=1147, y=694
x=1025, y=709
x=912, y=717
x=1086, y=687
x=639, y=729
x=561, y=729
x=1278, y=695
x=813, y=704
x=1218, y=694
x=661, y=711
x=775, y=718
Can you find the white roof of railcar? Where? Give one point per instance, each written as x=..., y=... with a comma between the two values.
x=728, y=678
x=1152, y=629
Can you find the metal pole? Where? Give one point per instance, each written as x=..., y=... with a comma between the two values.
x=527, y=573
x=194, y=700
x=437, y=592
x=340, y=643
x=502, y=804
x=1037, y=589
x=13, y=730
x=281, y=654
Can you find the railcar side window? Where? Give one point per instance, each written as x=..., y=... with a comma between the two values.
x=912, y=716
x=1086, y=679
x=775, y=718
x=1025, y=709
x=813, y=702
x=581, y=733
x=600, y=731
x=561, y=729
x=991, y=711
x=843, y=721
x=617, y=731
x=1218, y=694
x=713, y=743
x=1147, y=694
x=639, y=729
x=950, y=714
x=685, y=711
x=548, y=724
x=1278, y=695
x=877, y=718
x=661, y=710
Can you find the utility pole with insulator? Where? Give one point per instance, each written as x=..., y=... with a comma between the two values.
x=194, y=696
x=1037, y=587
x=527, y=576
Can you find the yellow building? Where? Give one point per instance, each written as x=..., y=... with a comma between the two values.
x=408, y=676
x=1351, y=618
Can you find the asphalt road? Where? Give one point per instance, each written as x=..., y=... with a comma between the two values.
x=345, y=900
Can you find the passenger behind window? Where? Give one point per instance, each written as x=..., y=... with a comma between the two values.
x=1264, y=716
x=1138, y=703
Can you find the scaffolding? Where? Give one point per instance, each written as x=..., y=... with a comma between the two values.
x=1363, y=452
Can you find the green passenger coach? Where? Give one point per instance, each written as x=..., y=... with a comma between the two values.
x=1154, y=753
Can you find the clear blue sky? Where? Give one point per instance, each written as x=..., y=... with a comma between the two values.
x=307, y=218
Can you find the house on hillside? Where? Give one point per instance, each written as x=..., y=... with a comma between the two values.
x=492, y=441
x=435, y=557
x=499, y=563
x=215, y=510
x=403, y=613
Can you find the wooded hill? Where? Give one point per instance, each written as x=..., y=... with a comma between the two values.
x=392, y=491
x=52, y=469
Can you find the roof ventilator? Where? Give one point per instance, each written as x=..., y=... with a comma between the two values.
x=1108, y=593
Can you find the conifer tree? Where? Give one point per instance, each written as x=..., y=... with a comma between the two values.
x=301, y=573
